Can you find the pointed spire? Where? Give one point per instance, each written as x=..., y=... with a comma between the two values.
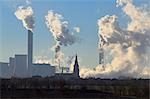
x=76, y=59
x=76, y=67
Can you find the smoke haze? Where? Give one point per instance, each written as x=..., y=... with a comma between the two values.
x=25, y=14
x=128, y=47
x=61, y=33
x=77, y=29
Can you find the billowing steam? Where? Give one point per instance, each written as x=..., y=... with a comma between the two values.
x=70, y=62
x=43, y=59
x=25, y=14
x=128, y=47
x=59, y=28
x=77, y=29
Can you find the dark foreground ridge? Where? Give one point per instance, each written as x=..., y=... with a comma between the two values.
x=37, y=87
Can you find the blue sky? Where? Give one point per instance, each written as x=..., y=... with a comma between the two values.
x=81, y=13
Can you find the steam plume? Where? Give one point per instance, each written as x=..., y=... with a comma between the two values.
x=60, y=31
x=25, y=14
x=128, y=47
x=70, y=62
x=77, y=29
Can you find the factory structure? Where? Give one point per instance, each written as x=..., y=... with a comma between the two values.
x=22, y=66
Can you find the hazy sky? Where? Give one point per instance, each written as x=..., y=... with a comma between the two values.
x=80, y=13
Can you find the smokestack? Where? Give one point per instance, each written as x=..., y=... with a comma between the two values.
x=30, y=50
x=101, y=56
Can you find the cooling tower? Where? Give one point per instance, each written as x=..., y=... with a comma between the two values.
x=30, y=51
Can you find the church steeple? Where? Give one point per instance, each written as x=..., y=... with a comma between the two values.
x=76, y=59
x=76, y=68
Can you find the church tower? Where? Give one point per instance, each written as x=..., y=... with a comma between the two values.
x=76, y=68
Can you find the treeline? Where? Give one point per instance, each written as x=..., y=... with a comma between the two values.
x=137, y=88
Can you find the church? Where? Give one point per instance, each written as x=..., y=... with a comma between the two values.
x=67, y=76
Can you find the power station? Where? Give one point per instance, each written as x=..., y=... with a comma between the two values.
x=22, y=66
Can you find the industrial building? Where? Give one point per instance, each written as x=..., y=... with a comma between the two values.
x=17, y=67
x=4, y=70
x=22, y=66
x=44, y=70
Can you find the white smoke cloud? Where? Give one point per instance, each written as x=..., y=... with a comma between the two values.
x=70, y=62
x=128, y=47
x=59, y=58
x=28, y=2
x=59, y=28
x=138, y=15
x=43, y=61
x=77, y=29
x=60, y=31
x=25, y=14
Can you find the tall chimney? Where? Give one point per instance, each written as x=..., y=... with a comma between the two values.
x=30, y=50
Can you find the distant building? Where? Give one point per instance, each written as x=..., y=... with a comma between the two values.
x=4, y=70
x=21, y=69
x=12, y=65
x=22, y=65
x=43, y=70
x=18, y=67
x=67, y=76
